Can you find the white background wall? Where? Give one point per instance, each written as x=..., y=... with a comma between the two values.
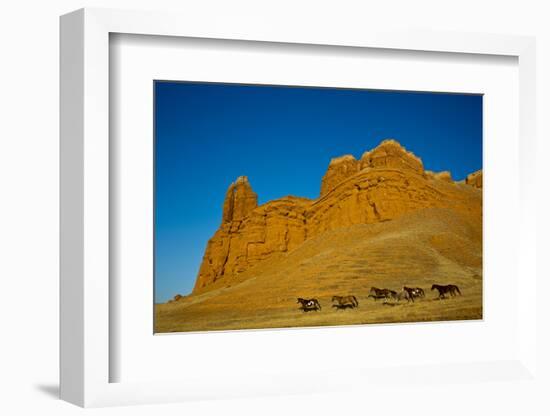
x=29, y=175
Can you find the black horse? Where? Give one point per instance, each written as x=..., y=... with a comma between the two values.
x=446, y=289
x=309, y=304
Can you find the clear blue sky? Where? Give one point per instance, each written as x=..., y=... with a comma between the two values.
x=282, y=138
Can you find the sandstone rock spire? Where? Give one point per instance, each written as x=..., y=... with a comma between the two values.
x=240, y=200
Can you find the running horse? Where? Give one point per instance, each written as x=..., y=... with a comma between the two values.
x=376, y=293
x=309, y=304
x=444, y=289
x=405, y=294
x=345, y=300
x=414, y=292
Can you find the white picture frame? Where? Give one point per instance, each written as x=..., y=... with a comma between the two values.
x=85, y=210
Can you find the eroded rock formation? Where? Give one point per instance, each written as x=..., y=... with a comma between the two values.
x=385, y=183
x=391, y=155
x=339, y=169
x=240, y=200
x=475, y=179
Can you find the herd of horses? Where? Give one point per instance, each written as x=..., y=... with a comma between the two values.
x=407, y=293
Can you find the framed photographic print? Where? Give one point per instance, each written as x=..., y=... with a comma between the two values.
x=242, y=207
x=364, y=237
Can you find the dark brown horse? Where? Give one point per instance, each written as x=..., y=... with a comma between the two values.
x=309, y=304
x=376, y=293
x=446, y=289
x=346, y=300
x=386, y=294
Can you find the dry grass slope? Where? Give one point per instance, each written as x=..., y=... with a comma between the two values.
x=432, y=245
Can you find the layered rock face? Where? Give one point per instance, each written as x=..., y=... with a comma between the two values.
x=389, y=154
x=384, y=184
x=339, y=169
x=277, y=226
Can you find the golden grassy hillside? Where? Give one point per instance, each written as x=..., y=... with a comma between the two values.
x=419, y=248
